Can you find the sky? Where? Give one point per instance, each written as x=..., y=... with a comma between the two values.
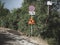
x=10, y=4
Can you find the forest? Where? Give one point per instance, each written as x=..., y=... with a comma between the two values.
x=46, y=26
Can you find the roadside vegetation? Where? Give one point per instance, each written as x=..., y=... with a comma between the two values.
x=46, y=26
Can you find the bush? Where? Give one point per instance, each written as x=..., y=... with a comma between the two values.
x=52, y=41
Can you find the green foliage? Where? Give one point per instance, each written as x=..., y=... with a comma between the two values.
x=46, y=26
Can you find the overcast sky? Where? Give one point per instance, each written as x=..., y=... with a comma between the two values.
x=10, y=4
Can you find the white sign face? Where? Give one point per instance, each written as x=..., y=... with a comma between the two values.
x=49, y=3
x=31, y=8
x=32, y=12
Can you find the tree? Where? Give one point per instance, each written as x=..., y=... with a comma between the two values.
x=40, y=17
x=46, y=26
x=3, y=13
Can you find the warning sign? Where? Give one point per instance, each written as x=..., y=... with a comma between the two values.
x=31, y=21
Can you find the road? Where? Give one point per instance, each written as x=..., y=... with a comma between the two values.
x=11, y=37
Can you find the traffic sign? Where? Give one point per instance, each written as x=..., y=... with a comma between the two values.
x=49, y=3
x=31, y=8
x=31, y=21
x=32, y=12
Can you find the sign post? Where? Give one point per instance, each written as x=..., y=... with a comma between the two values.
x=49, y=3
x=31, y=21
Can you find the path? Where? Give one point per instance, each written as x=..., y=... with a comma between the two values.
x=14, y=38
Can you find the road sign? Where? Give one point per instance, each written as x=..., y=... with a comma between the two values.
x=31, y=8
x=49, y=3
x=31, y=21
x=32, y=12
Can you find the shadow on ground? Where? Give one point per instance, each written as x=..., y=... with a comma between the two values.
x=14, y=32
x=4, y=38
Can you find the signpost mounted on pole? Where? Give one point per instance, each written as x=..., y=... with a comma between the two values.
x=31, y=21
x=49, y=3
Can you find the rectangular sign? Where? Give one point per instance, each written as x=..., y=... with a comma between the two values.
x=31, y=12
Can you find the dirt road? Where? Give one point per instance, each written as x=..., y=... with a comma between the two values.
x=10, y=37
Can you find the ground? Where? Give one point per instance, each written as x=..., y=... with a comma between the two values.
x=12, y=37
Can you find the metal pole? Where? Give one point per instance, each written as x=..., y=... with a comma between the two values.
x=48, y=10
x=31, y=27
x=31, y=30
x=47, y=15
